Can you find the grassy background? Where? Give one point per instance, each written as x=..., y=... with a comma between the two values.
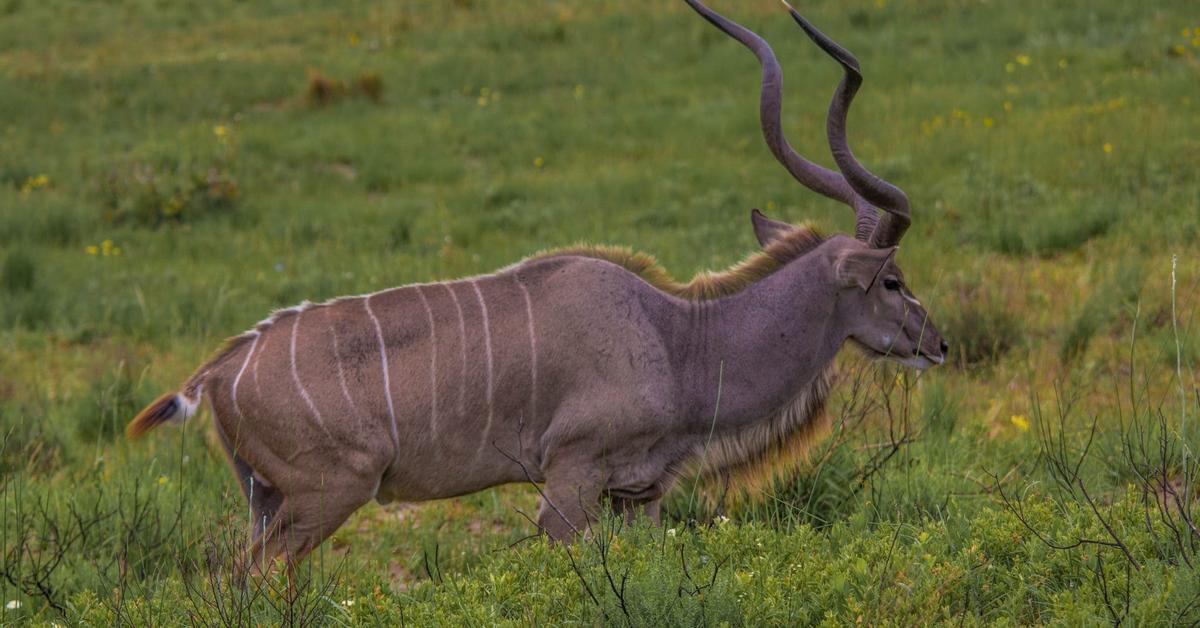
x=170, y=173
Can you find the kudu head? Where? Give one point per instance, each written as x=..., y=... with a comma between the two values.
x=879, y=312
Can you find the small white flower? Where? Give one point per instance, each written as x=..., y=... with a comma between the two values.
x=671, y=532
x=347, y=603
x=722, y=519
x=13, y=605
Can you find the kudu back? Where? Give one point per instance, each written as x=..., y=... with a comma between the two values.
x=588, y=370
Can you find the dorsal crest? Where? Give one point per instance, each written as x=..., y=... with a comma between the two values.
x=704, y=285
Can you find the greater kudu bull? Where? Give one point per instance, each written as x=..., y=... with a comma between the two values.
x=586, y=369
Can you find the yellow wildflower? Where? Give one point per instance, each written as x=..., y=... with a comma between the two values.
x=988, y=122
x=354, y=39
x=1020, y=421
x=579, y=92
x=220, y=131
x=1008, y=107
x=1062, y=64
x=1010, y=67
x=538, y=162
x=91, y=249
x=35, y=183
x=1024, y=59
x=162, y=479
x=1108, y=148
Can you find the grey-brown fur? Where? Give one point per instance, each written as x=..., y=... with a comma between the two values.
x=565, y=369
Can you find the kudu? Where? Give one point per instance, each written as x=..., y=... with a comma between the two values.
x=587, y=370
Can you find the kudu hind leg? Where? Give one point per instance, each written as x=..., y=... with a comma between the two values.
x=264, y=499
x=300, y=524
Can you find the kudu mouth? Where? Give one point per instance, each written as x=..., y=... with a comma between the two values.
x=921, y=358
x=937, y=358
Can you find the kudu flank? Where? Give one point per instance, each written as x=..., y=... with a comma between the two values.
x=586, y=369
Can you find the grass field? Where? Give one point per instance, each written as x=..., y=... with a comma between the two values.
x=170, y=173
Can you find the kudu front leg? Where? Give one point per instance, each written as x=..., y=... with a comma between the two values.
x=570, y=500
x=630, y=508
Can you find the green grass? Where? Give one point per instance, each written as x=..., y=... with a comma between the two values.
x=168, y=176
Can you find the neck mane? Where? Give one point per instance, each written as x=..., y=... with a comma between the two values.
x=705, y=285
x=744, y=462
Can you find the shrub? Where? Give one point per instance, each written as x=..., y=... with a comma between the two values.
x=1100, y=309
x=18, y=272
x=151, y=196
x=101, y=414
x=25, y=301
x=978, y=326
x=1044, y=231
x=1019, y=215
x=322, y=90
x=370, y=85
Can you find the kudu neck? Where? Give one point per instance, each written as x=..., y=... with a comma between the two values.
x=764, y=344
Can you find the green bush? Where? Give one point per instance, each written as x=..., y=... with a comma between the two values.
x=1121, y=290
x=18, y=272
x=153, y=195
x=979, y=324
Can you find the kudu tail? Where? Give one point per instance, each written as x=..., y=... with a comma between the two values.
x=174, y=406
x=179, y=406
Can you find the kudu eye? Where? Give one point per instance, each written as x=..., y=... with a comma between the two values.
x=891, y=283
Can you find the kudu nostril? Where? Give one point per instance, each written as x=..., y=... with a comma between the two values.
x=945, y=347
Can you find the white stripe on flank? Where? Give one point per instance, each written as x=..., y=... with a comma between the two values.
x=462, y=342
x=487, y=345
x=337, y=358
x=387, y=385
x=532, y=351
x=433, y=393
x=296, y=377
x=254, y=369
x=238, y=378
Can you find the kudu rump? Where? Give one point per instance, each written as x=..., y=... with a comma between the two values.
x=587, y=370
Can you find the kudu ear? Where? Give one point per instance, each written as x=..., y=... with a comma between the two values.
x=766, y=229
x=861, y=266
